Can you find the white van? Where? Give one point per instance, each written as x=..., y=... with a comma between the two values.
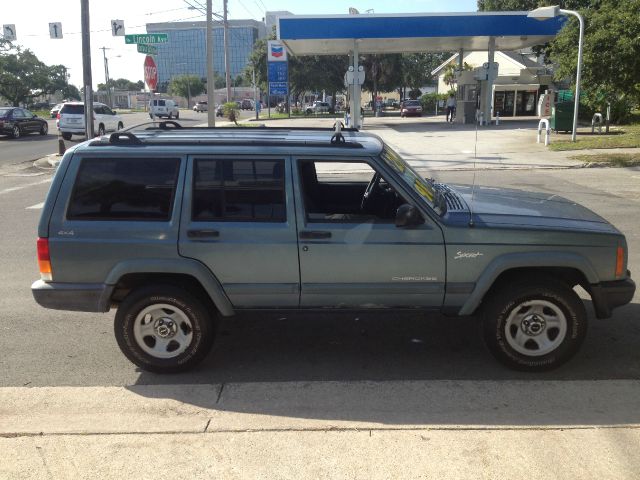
x=161, y=107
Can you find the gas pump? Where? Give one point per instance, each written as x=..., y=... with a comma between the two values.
x=484, y=76
x=466, y=97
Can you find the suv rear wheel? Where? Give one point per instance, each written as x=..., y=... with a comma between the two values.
x=163, y=329
x=534, y=326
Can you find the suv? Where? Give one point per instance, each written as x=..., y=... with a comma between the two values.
x=319, y=107
x=200, y=107
x=160, y=107
x=176, y=226
x=70, y=119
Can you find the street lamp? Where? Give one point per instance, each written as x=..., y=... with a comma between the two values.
x=545, y=13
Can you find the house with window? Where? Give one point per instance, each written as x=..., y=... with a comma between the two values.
x=520, y=81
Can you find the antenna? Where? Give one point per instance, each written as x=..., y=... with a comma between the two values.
x=473, y=184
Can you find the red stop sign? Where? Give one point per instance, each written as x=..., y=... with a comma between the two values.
x=150, y=72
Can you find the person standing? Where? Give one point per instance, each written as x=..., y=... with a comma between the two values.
x=451, y=107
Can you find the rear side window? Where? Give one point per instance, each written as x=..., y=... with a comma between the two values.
x=124, y=189
x=73, y=109
x=238, y=191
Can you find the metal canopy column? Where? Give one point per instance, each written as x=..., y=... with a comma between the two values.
x=356, y=119
x=486, y=114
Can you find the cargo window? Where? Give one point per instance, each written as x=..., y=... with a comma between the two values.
x=124, y=189
x=238, y=190
x=73, y=109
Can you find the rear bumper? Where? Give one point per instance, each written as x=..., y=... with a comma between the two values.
x=79, y=297
x=609, y=295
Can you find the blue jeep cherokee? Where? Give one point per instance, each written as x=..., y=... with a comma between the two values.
x=175, y=226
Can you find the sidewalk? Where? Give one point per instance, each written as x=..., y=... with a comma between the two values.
x=312, y=430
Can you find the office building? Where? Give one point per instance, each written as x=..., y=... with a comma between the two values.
x=185, y=52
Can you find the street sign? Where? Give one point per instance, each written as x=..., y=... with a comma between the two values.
x=150, y=73
x=55, y=30
x=117, y=28
x=278, y=88
x=148, y=49
x=9, y=32
x=146, y=38
x=276, y=51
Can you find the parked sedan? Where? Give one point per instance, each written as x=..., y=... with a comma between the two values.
x=16, y=122
x=411, y=108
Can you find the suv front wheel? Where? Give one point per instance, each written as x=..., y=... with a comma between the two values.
x=534, y=326
x=163, y=329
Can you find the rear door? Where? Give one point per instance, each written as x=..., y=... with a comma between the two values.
x=238, y=219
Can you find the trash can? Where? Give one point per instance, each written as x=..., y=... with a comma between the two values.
x=562, y=117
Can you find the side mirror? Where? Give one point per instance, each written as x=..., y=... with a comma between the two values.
x=407, y=216
x=113, y=112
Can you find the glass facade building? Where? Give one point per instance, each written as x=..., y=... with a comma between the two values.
x=186, y=51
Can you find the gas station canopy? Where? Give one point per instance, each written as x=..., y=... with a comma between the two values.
x=395, y=33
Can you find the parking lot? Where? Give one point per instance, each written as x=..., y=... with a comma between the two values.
x=367, y=395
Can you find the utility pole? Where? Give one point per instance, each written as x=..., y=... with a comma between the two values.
x=211, y=87
x=86, y=68
x=226, y=48
x=106, y=76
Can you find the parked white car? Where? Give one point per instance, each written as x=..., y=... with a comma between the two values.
x=70, y=119
x=162, y=107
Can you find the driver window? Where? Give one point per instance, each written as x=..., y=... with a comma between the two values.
x=346, y=192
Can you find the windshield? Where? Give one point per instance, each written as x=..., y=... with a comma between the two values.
x=420, y=185
x=412, y=103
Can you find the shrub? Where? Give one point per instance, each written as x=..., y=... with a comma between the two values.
x=231, y=111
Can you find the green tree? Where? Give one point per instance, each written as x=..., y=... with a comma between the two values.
x=417, y=68
x=611, y=64
x=70, y=92
x=383, y=73
x=186, y=86
x=23, y=76
x=612, y=26
x=450, y=73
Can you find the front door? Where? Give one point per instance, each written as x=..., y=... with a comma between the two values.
x=238, y=219
x=351, y=252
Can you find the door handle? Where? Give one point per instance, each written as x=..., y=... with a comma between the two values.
x=203, y=233
x=314, y=235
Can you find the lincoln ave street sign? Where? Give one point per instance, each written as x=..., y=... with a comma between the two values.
x=146, y=38
x=148, y=49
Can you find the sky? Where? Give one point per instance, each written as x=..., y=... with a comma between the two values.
x=32, y=18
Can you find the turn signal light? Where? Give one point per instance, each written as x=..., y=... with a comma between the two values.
x=58, y=116
x=620, y=262
x=44, y=259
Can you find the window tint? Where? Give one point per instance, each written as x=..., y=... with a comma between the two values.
x=239, y=190
x=73, y=109
x=107, y=111
x=99, y=109
x=124, y=189
x=17, y=113
x=27, y=113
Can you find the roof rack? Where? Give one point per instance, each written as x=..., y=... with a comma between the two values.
x=128, y=138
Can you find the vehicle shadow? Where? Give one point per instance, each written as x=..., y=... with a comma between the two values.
x=29, y=137
x=405, y=369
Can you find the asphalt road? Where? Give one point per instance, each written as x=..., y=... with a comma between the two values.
x=54, y=348
x=34, y=146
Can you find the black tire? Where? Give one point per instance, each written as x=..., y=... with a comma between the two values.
x=178, y=305
x=511, y=310
x=120, y=126
x=66, y=136
x=44, y=129
x=101, y=130
x=169, y=116
x=177, y=115
x=150, y=115
x=16, y=132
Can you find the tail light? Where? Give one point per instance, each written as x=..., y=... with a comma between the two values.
x=619, y=262
x=58, y=116
x=44, y=259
